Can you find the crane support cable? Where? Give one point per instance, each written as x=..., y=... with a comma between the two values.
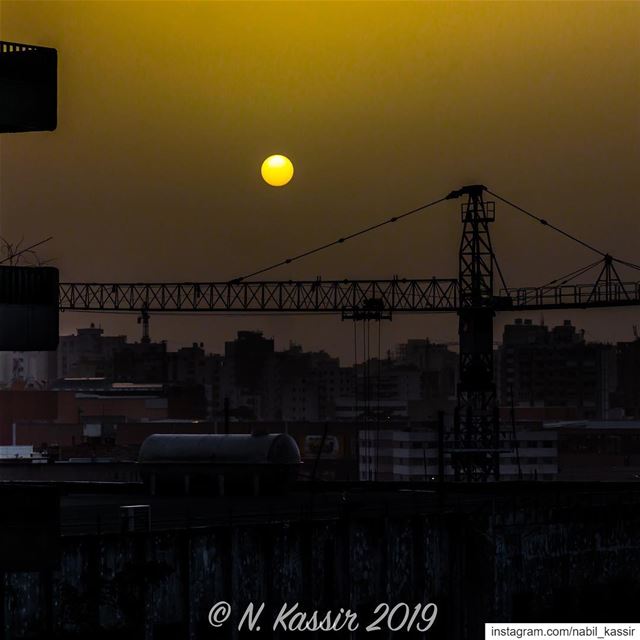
x=546, y=223
x=562, y=280
x=339, y=240
x=627, y=264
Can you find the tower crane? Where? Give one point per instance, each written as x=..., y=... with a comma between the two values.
x=474, y=445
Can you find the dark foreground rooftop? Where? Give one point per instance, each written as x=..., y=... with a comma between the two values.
x=97, y=507
x=107, y=560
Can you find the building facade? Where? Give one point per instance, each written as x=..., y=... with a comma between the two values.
x=542, y=367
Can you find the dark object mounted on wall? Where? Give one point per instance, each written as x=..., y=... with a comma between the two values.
x=28, y=88
x=28, y=102
x=30, y=532
x=29, y=308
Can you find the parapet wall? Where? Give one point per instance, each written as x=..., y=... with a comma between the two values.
x=525, y=558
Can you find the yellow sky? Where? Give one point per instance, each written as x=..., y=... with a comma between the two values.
x=167, y=109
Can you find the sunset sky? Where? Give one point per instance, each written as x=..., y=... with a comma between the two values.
x=167, y=110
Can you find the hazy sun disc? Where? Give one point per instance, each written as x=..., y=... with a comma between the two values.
x=277, y=170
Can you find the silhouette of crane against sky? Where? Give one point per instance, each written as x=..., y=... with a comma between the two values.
x=474, y=445
x=29, y=76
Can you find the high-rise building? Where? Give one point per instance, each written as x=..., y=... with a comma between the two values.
x=412, y=453
x=438, y=367
x=542, y=367
x=188, y=365
x=627, y=395
x=88, y=354
x=141, y=362
x=245, y=378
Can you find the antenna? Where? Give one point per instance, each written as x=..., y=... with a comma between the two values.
x=14, y=251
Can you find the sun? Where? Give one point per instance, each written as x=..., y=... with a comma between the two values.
x=277, y=170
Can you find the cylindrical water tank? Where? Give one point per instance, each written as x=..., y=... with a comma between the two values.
x=271, y=448
x=219, y=464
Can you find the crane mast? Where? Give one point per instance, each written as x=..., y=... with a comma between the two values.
x=474, y=450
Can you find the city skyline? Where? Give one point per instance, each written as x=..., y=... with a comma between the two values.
x=536, y=366
x=282, y=342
